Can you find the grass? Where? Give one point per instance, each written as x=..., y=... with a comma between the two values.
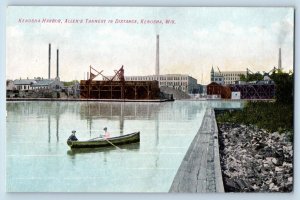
x=271, y=116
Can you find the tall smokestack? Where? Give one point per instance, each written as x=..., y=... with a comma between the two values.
x=57, y=63
x=157, y=55
x=49, y=67
x=279, y=59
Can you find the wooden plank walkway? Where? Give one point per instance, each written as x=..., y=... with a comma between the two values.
x=200, y=169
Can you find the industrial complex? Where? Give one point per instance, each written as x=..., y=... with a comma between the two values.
x=224, y=84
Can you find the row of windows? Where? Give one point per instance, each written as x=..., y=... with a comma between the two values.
x=161, y=78
x=28, y=87
x=173, y=83
x=233, y=78
x=216, y=79
x=231, y=74
x=24, y=87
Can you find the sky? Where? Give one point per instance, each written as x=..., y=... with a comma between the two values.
x=200, y=37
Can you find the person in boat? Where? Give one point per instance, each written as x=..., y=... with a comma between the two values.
x=106, y=133
x=73, y=137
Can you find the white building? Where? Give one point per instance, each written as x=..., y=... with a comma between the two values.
x=181, y=82
x=24, y=84
x=226, y=77
x=37, y=83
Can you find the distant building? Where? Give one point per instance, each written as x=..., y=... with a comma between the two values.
x=181, y=82
x=216, y=89
x=37, y=84
x=24, y=84
x=226, y=77
x=255, y=90
x=214, y=77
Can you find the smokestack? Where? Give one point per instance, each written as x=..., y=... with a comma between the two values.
x=279, y=59
x=157, y=55
x=57, y=63
x=49, y=61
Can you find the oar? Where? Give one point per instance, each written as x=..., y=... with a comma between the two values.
x=112, y=144
x=106, y=141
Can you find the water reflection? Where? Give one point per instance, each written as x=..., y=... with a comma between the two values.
x=92, y=112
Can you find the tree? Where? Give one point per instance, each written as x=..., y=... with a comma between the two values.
x=284, y=84
x=252, y=77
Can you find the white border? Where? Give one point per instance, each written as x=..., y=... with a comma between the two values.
x=145, y=196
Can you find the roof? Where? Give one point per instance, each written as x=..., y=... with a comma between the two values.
x=44, y=82
x=23, y=81
x=34, y=82
x=214, y=84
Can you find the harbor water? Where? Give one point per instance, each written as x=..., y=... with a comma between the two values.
x=38, y=158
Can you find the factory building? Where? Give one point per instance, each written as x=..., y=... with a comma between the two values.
x=226, y=77
x=23, y=84
x=181, y=82
x=37, y=84
x=215, y=89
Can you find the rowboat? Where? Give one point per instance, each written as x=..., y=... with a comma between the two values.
x=113, y=141
x=78, y=151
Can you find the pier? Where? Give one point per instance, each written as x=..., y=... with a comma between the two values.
x=200, y=169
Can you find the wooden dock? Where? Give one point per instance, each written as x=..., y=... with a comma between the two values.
x=200, y=169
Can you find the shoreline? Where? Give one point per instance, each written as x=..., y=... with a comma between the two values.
x=89, y=100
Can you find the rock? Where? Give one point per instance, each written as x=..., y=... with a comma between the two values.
x=279, y=153
x=241, y=184
x=258, y=156
x=230, y=185
x=255, y=187
x=267, y=151
x=274, y=161
x=278, y=169
x=254, y=160
x=259, y=146
x=271, y=186
x=266, y=165
x=275, y=188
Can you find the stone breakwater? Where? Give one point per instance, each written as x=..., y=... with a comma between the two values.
x=253, y=160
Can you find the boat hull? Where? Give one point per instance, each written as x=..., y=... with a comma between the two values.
x=117, y=141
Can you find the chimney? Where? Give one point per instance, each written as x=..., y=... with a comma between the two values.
x=49, y=61
x=157, y=55
x=57, y=63
x=279, y=59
